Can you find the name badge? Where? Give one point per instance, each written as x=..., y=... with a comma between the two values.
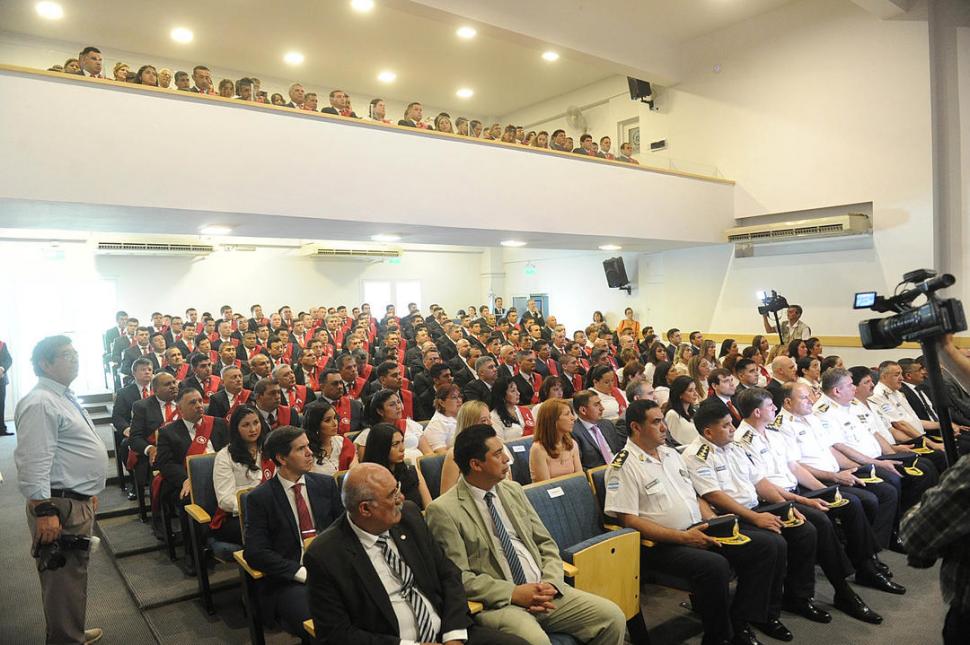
x=652, y=484
x=720, y=468
x=519, y=448
x=555, y=492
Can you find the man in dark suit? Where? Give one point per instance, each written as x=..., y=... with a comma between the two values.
x=447, y=344
x=297, y=96
x=480, y=389
x=598, y=438
x=461, y=369
x=338, y=104
x=293, y=395
x=6, y=361
x=437, y=376
x=148, y=415
x=360, y=570
x=272, y=415
x=527, y=380
x=140, y=388
x=350, y=412
x=187, y=343
x=281, y=513
x=141, y=348
x=231, y=396
x=124, y=340
x=412, y=115
x=201, y=378
x=121, y=324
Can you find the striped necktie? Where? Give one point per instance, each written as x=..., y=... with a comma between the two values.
x=422, y=613
x=518, y=575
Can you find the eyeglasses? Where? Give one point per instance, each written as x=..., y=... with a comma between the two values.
x=67, y=354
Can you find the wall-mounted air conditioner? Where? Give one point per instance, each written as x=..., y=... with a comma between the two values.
x=348, y=255
x=806, y=229
x=153, y=248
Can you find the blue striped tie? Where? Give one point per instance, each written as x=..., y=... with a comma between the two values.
x=426, y=632
x=518, y=575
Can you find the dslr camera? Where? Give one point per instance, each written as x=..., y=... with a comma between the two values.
x=54, y=555
x=933, y=319
x=771, y=303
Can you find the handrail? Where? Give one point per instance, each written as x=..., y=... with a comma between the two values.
x=365, y=123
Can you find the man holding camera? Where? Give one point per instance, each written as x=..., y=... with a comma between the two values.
x=60, y=462
x=792, y=328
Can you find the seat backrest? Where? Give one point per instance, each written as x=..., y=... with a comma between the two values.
x=203, y=491
x=520, y=459
x=567, y=508
x=241, y=496
x=352, y=435
x=339, y=476
x=430, y=467
x=597, y=481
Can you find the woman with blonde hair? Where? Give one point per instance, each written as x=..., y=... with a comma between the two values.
x=685, y=352
x=698, y=368
x=120, y=72
x=470, y=413
x=554, y=453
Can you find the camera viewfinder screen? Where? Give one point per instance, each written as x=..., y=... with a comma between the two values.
x=865, y=299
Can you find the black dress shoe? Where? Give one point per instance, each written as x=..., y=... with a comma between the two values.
x=743, y=635
x=850, y=603
x=878, y=580
x=775, y=629
x=896, y=545
x=881, y=566
x=805, y=608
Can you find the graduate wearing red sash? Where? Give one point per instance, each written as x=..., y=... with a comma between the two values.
x=528, y=421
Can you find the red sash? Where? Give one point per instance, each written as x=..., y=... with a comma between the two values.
x=401, y=351
x=183, y=372
x=529, y=422
x=203, y=430
x=268, y=469
x=358, y=387
x=347, y=454
x=213, y=337
x=402, y=425
x=406, y=384
x=344, y=410
x=297, y=397
x=551, y=366
x=536, y=379
x=311, y=378
x=365, y=371
x=621, y=401
x=211, y=388
x=282, y=416
x=407, y=398
x=288, y=353
x=213, y=356
x=577, y=382
x=241, y=398
x=585, y=363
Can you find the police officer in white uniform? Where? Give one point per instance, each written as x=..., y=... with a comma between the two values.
x=776, y=456
x=648, y=489
x=828, y=466
x=888, y=397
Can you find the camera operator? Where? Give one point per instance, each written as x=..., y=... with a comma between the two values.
x=791, y=329
x=60, y=462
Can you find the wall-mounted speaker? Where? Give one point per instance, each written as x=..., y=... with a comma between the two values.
x=615, y=272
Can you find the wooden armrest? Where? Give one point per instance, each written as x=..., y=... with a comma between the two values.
x=616, y=527
x=569, y=570
x=475, y=607
x=198, y=513
x=241, y=561
x=309, y=628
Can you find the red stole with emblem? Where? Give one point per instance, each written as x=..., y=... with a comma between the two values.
x=344, y=409
x=183, y=372
x=282, y=416
x=577, y=382
x=210, y=387
x=297, y=397
x=203, y=430
x=268, y=469
x=536, y=381
x=240, y=399
x=407, y=398
x=552, y=367
x=358, y=387
x=365, y=371
x=528, y=421
x=620, y=400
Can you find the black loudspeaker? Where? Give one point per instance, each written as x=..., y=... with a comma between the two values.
x=615, y=273
x=640, y=90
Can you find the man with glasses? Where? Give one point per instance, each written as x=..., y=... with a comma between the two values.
x=60, y=468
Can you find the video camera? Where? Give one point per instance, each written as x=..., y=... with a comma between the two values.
x=53, y=555
x=771, y=303
x=933, y=319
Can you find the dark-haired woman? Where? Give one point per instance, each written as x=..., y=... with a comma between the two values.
x=679, y=411
x=332, y=451
x=386, y=407
x=238, y=466
x=614, y=401
x=510, y=420
x=385, y=446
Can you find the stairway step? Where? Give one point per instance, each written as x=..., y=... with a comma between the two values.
x=96, y=409
x=127, y=536
x=112, y=502
x=154, y=580
x=100, y=397
x=101, y=419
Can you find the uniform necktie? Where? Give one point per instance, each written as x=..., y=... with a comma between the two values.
x=515, y=566
x=927, y=404
x=422, y=613
x=272, y=420
x=291, y=397
x=303, y=513
x=169, y=412
x=144, y=393
x=602, y=445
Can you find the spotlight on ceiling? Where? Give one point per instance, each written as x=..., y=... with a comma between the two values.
x=293, y=58
x=386, y=237
x=512, y=243
x=550, y=56
x=363, y=6
x=49, y=10
x=215, y=229
x=182, y=35
x=466, y=32
x=610, y=247
x=465, y=93
x=387, y=76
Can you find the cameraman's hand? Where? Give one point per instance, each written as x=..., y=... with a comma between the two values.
x=48, y=529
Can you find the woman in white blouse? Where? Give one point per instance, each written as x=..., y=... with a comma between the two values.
x=603, y=379
x=332, y=451
x=237, y=466
x=506, y=417
x=679, y=411
x=386, y=407
x=810, y=374
x=440, y=431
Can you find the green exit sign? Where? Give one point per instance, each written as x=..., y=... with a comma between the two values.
x=530, y=270
x=394, y=261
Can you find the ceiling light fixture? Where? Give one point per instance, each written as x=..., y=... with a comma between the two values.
x=215, y=229
x=512, y=243
x=363, y=6
x=610, y=247
x=465, y=93
x=466, y=32
x=550, y=56
x=293, y=58
x=49, y=10
x=387, y=76
x=182, y=35
x=385, y=237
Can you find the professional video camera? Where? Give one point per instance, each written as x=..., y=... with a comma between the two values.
x=925, y=324
x=52, y=556
x=771, y=303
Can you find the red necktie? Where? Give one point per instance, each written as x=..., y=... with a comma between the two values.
x=144, y=393
x=169, y=412
x=144, y=351
x=734, y=411
x=291, y=396
x=190, y=346
x=303, y=513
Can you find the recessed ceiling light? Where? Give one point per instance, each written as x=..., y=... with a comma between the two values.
x=387, y=76
x=49, y=10
x=512, y=243
x=215, y=229
x=362, y=6
x=293, y=58
x=610, y=247
x=385, y=237
x=466, y=32
x=550, y=56
x=181, y=35
x=465, y=93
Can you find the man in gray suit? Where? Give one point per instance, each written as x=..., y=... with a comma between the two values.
x=508, y=560
x=598, y=438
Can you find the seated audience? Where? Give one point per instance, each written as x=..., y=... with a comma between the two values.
x=386, y=407
x=147, y=75
x=554, y=453
x=332, y=451
x=510, y=419
x=440, y=431
x=469, y=414
x=809, y=372
x=603, y=380
x=679, y=411
x=597, y=438
x=294, y=498
x=239, y=465
x=340, y=104
x=385, y=446
x=699, y=368
x=552, y=388
x=413, y=115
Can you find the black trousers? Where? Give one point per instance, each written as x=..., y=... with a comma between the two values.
x=860, y=540
x=880, y=502
x=3, y=404
x=910, y=488
x=802, y=545
x=760, y=566
x=956, y=627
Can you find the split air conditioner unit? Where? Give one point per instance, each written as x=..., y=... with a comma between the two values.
x=167, y=249
x=806, y=229
x=347, y=255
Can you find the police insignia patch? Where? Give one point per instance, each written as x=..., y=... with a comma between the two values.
x=823, y=408
x=747, y=437
x=703, y=452
x=620, y=458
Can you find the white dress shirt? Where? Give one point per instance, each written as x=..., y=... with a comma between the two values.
x=681, y=430
x=529, y=566
x=440, y=431
x=229, y=477
x=300, y=575
x=508, y=433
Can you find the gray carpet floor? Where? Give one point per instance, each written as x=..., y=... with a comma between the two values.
x=914, y=618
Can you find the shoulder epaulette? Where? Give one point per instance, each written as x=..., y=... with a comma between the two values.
x=703, y=452
x=619, y=458
x=775, y=424
x=747, y=437
x=857, y=401
x=822, y=408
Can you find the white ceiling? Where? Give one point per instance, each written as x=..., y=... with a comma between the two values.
x=343, y=48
